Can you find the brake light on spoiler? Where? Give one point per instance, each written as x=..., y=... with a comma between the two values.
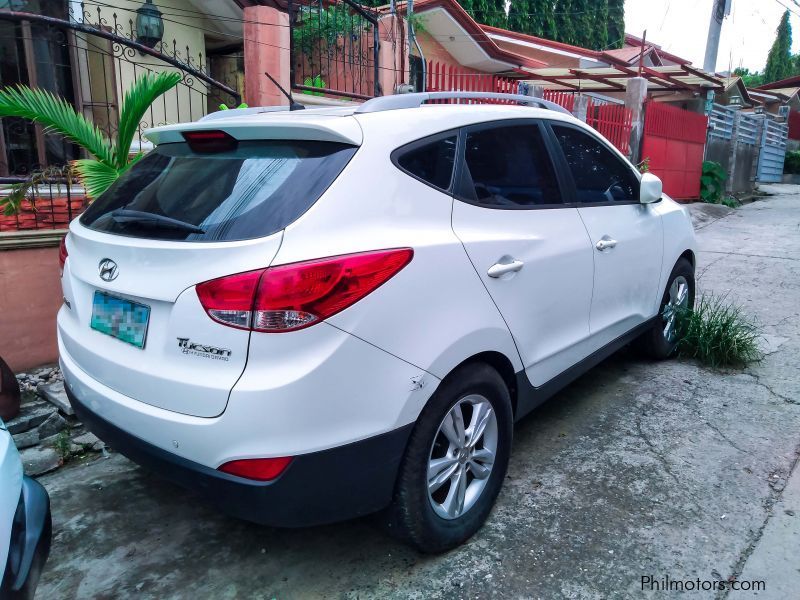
x=210, y=141
x=295, y=296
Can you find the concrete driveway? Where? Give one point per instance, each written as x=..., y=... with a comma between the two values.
x=667, y=470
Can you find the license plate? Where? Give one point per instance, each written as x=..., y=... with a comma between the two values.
x=120, y=318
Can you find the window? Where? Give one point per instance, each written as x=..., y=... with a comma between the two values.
x=599, y=175
x=432, y=162
x=509, y=167
x=252, y=191
x=37, y=55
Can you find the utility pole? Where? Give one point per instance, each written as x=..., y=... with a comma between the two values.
x=719, y=10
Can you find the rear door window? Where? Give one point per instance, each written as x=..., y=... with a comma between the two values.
x=253, y=191
x=508, y=166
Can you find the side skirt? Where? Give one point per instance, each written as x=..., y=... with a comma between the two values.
x=530, y=397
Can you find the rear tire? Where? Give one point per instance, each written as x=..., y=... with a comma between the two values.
x=661, y=341
x=451, y=474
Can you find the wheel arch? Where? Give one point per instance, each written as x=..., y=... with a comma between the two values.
x=688, y=255
x=500, y=363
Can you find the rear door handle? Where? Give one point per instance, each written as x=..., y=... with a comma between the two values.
x=606, y=243
x=500, y=269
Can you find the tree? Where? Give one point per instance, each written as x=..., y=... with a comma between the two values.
x=543, y=19
x=779, y=60
x=518, y=19
x=111, y=159
x=749, y=79
x=616, y=24
x=583, y=22
x=600, y=25
x=565, y=28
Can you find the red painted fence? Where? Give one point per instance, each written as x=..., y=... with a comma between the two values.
x=674, y=140
x=613, y=121
x=449, y=78
x=565, y=99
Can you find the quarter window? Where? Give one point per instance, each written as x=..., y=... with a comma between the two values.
x=431, y=162
x=599, y=175
x=509, y=167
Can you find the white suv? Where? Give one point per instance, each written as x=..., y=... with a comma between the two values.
x=315, y=315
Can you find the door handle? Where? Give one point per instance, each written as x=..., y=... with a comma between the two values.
x=500, y=269
x=606, y=243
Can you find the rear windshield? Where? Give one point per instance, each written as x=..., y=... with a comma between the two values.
x=253, y=191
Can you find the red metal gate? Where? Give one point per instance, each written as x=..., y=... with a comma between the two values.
x=673, y=142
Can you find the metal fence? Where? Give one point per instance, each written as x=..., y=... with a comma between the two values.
x=721, y=122
x=773, y=151
x=49, y=201
x=334, y=48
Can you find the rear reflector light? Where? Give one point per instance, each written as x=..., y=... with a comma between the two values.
x=209, y=142
x=298, y=295
x=62, y=253
x=260, y=469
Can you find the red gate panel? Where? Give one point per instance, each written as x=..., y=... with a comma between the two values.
x=674, y=140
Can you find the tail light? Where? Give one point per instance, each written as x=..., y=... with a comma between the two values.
x=62, y=253
x=260, y=469
x=298, y=295
x=210, y=141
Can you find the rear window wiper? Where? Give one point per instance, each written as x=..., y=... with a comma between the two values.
x=124, y=215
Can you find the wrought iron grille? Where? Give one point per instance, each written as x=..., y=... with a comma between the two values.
x=334, y=48
x=89, y=57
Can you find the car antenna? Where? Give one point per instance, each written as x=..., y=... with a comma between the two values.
x=292, y=104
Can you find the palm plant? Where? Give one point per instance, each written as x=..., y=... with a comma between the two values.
x=111, y=158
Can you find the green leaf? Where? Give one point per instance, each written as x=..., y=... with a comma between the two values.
x=58, y=115
x=95, y=176
x=138, y=99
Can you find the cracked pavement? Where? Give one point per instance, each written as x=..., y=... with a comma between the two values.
x=638, y=468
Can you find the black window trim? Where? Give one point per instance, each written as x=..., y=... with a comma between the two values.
x=561, y=180
x=563, y=165
x=398, y=153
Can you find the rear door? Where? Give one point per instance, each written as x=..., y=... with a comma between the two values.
x=627, y=237
x=132, y=318
x=529, y=248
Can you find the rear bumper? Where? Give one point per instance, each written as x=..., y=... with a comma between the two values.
x=30, y=542
x=321, y=487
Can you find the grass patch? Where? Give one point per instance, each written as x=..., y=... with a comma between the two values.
x=718, y=333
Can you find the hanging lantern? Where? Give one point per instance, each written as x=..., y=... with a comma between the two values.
x=149, y=25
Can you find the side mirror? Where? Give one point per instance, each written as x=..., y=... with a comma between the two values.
x=650, y=189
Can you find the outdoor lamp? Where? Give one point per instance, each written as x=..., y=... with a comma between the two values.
x=149, y=25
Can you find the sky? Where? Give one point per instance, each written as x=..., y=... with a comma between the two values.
x=681, y=27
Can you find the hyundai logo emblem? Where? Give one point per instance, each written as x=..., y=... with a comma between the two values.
x=108, y=269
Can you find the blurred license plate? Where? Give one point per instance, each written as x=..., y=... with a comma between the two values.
x=120, y=318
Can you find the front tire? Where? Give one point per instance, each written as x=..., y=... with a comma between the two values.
x=455, y=462
x=662, y=340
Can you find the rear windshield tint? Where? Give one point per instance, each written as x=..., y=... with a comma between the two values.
x=253, y=191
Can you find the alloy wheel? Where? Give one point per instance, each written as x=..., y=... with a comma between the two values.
x=462, y=456
x=677, y=302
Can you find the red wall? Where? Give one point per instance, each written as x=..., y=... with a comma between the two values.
x=30, y=296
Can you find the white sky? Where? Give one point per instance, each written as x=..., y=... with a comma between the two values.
x=681, y=27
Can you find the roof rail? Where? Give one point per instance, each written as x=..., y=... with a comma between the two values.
x=399, y=101
x=240, y=112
